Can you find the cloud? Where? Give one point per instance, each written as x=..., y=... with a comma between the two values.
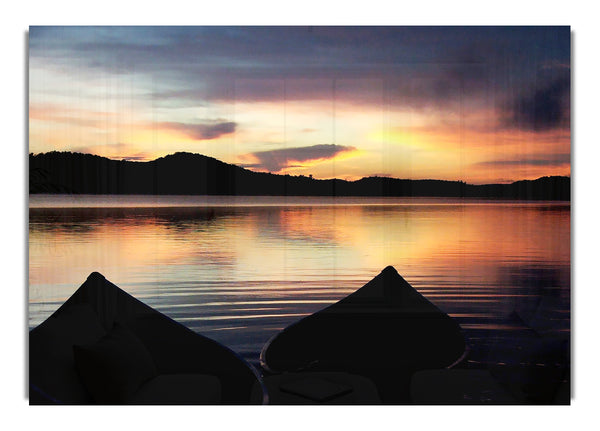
x=276, y=160
x=202, y=131
x=550, y=160
x=58, y=113
x=138, y=158
x=546, y=109
x=417, y=66
x=116, y=151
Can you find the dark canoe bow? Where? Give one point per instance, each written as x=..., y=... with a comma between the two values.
x=175, y=348
x=386, y=330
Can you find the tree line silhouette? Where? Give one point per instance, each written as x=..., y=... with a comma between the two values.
x=196, y=174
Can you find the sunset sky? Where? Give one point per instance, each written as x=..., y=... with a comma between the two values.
x=477, y=104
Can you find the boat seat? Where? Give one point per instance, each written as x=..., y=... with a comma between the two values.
x=320, y=388
x=52, y=373
x=179, y=389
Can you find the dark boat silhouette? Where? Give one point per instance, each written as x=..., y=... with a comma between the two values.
x=185, y=367
x=385, y=331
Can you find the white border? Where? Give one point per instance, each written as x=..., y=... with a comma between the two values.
x=581, y=15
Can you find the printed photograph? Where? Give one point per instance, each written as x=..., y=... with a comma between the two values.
x=290, y=215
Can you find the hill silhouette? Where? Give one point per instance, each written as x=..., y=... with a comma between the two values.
x=196, y=174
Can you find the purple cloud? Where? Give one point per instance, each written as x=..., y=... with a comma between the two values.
x=276, y=160
x=550, y=160
x=135, y=158
x=417, y=66
x=202, y=131
x=547, y=107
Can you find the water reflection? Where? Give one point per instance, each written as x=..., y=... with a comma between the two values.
x=499, y=268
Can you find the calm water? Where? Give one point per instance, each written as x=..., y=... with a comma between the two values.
x=239, y=269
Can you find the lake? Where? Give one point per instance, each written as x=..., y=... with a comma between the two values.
x=240, y=269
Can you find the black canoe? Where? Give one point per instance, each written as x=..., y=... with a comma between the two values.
x=187, y=358
x=385, y=331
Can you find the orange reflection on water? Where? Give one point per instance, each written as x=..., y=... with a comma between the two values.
x=447, y=235
x=273, y=247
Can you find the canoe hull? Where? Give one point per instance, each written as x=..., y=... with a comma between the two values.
x=175, y=349
x=386, y=330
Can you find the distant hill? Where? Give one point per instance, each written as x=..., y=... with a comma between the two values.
x=195, y=174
